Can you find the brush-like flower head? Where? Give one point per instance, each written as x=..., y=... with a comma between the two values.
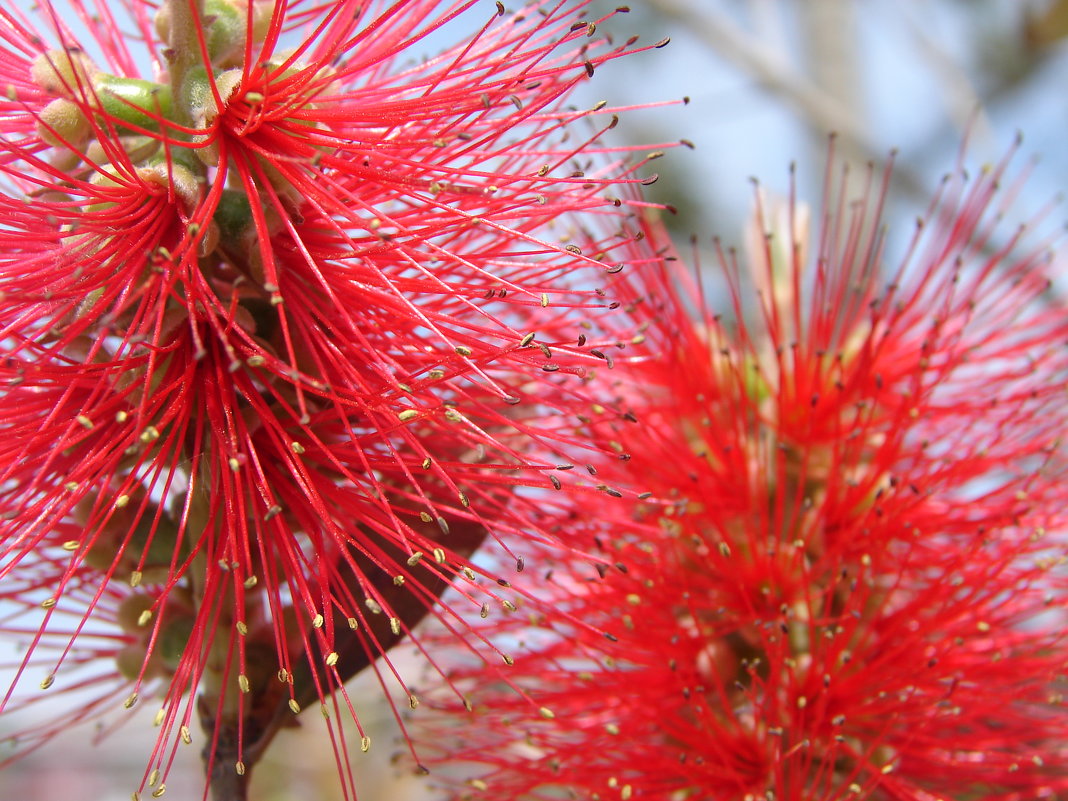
x=284, y=303
x=848, y=580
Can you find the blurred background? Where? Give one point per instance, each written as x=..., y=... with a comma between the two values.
x=767, y=80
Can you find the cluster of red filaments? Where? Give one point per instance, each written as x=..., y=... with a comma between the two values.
x=848, y=579
x=281, y=326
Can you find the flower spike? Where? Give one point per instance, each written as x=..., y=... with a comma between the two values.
x=266, y=310
x=846, y=579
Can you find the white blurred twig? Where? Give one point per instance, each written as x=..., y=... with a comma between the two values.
x=767, y=66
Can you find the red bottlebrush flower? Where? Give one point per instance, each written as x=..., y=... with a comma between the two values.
x=268, y=310
x=848, y=582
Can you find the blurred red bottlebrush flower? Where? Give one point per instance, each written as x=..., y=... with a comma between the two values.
x=849, y=583
x=266, y=315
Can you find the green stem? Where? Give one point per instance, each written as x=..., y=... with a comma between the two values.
x=186, y=19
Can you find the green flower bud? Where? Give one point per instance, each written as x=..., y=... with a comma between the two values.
x=173, y=638
x=201, y=98
x=162, y=22
x=62, y=123
x=195, y=91
x=174, y=154
x=160, y=551
x=262, y=13
x=226, y=33
x=131, y=659
x=233, y=215
x=137, y=148
x=132, y=100
x=290, y=196
x=237, y=230
x=103, y=180
x=131, y=612
x=179, y=178
x=67, y=73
